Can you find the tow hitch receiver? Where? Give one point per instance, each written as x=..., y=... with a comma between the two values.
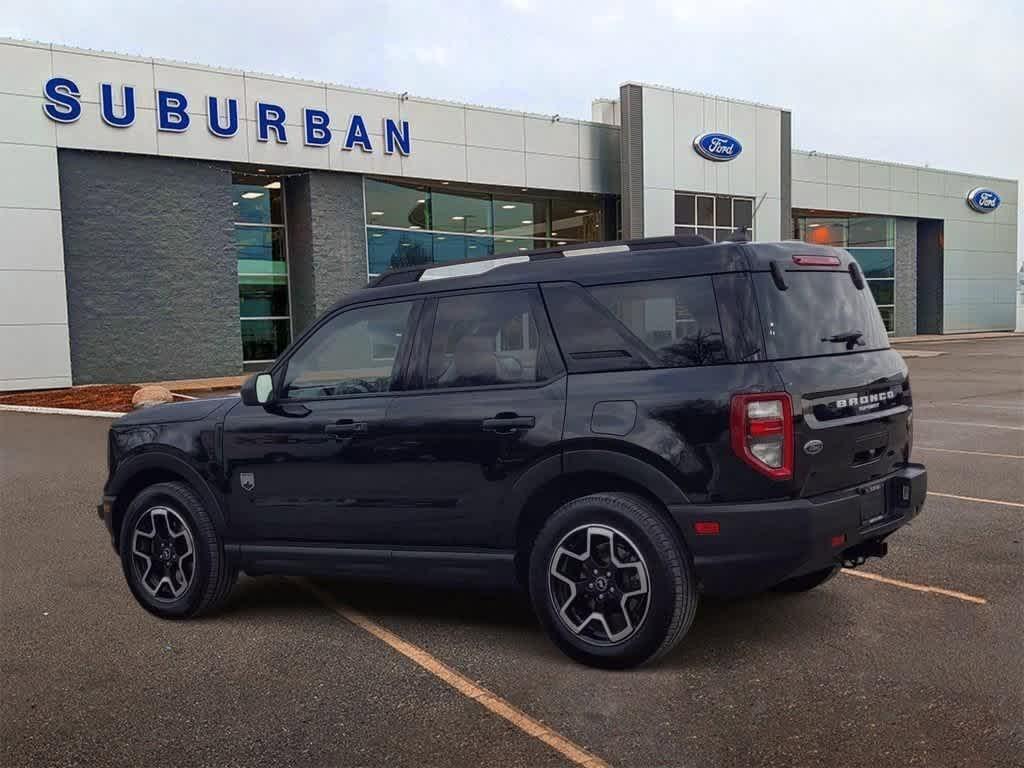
x=859, y=554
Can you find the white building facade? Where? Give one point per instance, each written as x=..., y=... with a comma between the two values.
x=167, y=220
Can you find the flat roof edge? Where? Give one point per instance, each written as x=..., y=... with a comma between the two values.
x=704, y=95
x=816, y=153
x=140, y=58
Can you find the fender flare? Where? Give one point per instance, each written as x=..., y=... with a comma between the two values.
x=577, y=462
x=628, y=467
x=131, y=467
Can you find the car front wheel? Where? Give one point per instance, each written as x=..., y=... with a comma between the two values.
x=611, y=581
x=171, y=554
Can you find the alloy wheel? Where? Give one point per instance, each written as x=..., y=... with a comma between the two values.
x=163, y=553
x=599, y=584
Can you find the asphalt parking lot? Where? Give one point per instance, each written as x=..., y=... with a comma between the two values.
x=860, y=672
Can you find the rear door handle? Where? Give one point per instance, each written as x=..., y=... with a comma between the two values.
x=345, y=427
x=509, y=424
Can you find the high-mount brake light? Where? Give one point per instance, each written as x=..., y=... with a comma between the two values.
x=761, y=428
x=817, y=261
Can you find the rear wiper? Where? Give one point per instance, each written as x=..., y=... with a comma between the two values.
x=850, y=337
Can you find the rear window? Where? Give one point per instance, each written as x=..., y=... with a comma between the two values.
x=677, y=320
x=820, y=313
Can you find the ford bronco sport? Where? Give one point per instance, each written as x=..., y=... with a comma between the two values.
x=616, y=427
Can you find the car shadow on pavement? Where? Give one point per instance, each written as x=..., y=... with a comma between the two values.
x=723, y=630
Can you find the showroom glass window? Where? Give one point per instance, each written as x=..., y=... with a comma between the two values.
x=409, y=224
x=263, y=299
x=713, y=216
x=870, y=240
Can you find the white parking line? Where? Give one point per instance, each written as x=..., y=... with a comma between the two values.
x=970, y=453
x=998, y=502
x=967, y=424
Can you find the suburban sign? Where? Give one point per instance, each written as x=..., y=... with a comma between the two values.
x=717, y=146
x=983, y=200
x=63, y=105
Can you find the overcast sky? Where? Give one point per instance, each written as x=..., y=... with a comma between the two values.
x=936, y=82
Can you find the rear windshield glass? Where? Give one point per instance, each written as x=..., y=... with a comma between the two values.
x=821, y=313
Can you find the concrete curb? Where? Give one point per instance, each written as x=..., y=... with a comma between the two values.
x=60, y=411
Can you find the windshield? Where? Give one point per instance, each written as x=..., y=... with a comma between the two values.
x=821, y=313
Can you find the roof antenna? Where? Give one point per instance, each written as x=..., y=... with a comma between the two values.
x=742, y=234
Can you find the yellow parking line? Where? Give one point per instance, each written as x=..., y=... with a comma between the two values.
x=974, y=498
x=970, y=453
x=490, y=701
x=917, y=587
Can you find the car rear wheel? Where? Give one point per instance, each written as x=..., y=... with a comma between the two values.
x=808, y=581
x=171, y=554
x=611, y=581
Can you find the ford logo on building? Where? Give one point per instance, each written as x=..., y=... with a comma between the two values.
x=983, y=200
x=717, y=146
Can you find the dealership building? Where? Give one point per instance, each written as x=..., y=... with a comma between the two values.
x=164, y=220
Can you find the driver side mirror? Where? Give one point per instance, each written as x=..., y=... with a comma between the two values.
x=258, y=390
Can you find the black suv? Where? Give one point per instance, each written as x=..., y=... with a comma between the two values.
x=616, y=427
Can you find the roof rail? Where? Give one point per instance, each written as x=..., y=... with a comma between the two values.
x=485, y=264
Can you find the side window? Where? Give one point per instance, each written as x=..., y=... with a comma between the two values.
x=676, y=319
x=486, y=339
x=353, y=353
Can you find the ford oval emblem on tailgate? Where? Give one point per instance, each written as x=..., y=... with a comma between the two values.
x=811, y=447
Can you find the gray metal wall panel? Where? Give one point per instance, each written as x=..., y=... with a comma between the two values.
x=631, y=153
x=151, y=269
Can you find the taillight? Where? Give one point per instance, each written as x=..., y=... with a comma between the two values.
x=762, y=432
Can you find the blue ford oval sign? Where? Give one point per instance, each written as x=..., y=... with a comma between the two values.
x=717, y=146
x=983, y=200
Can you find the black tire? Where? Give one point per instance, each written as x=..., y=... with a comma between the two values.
x=808, y=581
x=202, y=581
x=654, y=626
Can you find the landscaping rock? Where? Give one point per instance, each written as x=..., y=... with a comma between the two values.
x=151, y=395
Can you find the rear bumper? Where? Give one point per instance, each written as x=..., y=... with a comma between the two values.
x=759, y=545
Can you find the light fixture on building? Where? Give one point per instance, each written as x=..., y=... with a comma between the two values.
x=527, y=221
x=414, y=226
x=458, y=218
x=580, y=210
x=272, y=185
x=481, y=231
x=444, y=183
x=508, y=206
x=261, y=170
x=376, y=213
x=251, y=195
x=521, y=248
x=561, y=242
x=554, y=234
x=234, y=202
x=422, y=200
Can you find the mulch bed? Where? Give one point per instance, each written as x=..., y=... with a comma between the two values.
x=101, y=397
